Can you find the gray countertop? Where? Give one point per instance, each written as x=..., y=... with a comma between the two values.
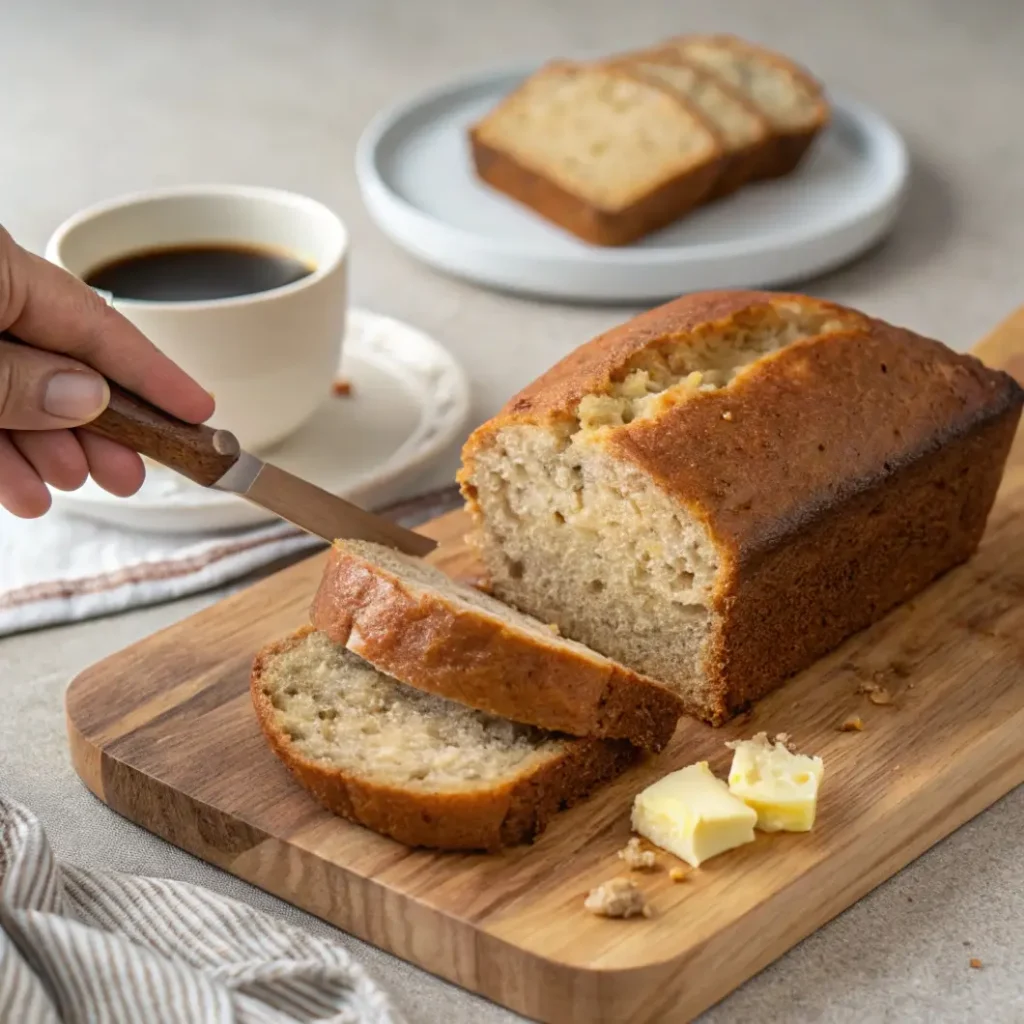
x=109, y=97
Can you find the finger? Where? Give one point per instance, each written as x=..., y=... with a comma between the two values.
x=44, y=391
x=55, y=455
x=21, y=490
x=48, y=308
x=115, y=468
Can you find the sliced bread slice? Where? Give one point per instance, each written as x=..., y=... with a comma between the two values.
x=410, y=765
x=743, y=132
x=413, y=622
x=781, y=90
x=605, y=154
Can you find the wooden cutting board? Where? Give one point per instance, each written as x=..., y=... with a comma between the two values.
x=164, y=733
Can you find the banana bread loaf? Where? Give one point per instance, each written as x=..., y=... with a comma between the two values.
x=721, y=490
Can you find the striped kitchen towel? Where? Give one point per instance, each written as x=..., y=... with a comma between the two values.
x=58, y=569
x=87, y=947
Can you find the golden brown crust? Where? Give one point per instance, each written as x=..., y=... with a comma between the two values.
x=592, y=367
x=836, y=477
x=505, y=815
x=426, y=641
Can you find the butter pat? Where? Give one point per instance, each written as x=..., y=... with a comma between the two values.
x=782, y=787
x=692, y=814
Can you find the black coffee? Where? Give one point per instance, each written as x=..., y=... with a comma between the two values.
x=195, y=272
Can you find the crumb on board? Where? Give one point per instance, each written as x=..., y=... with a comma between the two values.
x=677, y=874
x=621, y=897
x=975, y=962
x=341, y=388
x=636, y=858
x=727, y=416
x=852, y=724
x=875, y=693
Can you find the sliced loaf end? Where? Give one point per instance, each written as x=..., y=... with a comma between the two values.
x=418, y=768
x=415, y=623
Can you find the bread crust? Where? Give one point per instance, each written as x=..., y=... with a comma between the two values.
x=426, y=641
x=591, y=223
x=505, y=815
x=851, y=470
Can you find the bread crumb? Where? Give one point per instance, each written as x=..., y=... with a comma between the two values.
x=620, y=897
x=975, y=962
x=852, y=724
x=727, y=415
x=677, y=874
x=341, y=388
x=638, y=859
x=875, y=693
x=553, y=626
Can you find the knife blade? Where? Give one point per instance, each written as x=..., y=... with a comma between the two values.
x=214, y=458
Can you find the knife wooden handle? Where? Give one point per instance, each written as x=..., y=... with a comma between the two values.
x=196, y=451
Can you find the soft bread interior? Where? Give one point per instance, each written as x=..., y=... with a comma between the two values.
x=738, y=125
x=589, y=542
x=598, y=133
x=788, y=101
x=340, y=712
x=421, y=579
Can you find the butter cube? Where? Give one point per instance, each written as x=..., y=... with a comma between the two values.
x=782, y=787
x=692, y=814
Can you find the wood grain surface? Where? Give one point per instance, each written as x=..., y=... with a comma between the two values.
x=164, y=733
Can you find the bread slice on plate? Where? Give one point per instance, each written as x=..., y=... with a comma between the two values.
x=723, y=489
x=781, y=90
x=743, y=132
x=413, y=622
x=418, y=768
x=605, y=154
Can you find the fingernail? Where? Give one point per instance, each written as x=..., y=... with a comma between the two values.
x=75, y=396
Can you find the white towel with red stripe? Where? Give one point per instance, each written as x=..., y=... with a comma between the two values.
x=89, y=947
x=60, y=569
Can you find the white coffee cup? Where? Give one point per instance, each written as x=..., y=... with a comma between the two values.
x=269, y=358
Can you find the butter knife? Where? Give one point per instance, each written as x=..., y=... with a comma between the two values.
x=214, y=458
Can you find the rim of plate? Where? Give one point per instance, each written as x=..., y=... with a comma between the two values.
x=410, y=454
x=888, y=145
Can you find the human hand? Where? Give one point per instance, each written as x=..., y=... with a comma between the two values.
x=49, y=385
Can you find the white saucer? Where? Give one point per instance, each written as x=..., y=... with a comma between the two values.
x=409, y=401
x=417, y=181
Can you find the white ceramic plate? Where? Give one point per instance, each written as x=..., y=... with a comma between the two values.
x=417, y=180
x=409, y=401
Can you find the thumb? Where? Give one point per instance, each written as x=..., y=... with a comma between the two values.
x=44, y=391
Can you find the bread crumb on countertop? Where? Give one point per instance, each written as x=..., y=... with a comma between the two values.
x=636, y=858
x=975, y=962
x=875, y=693
x=677, y=874
x=621, y=897
x=852, y=724
x=341, y=388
